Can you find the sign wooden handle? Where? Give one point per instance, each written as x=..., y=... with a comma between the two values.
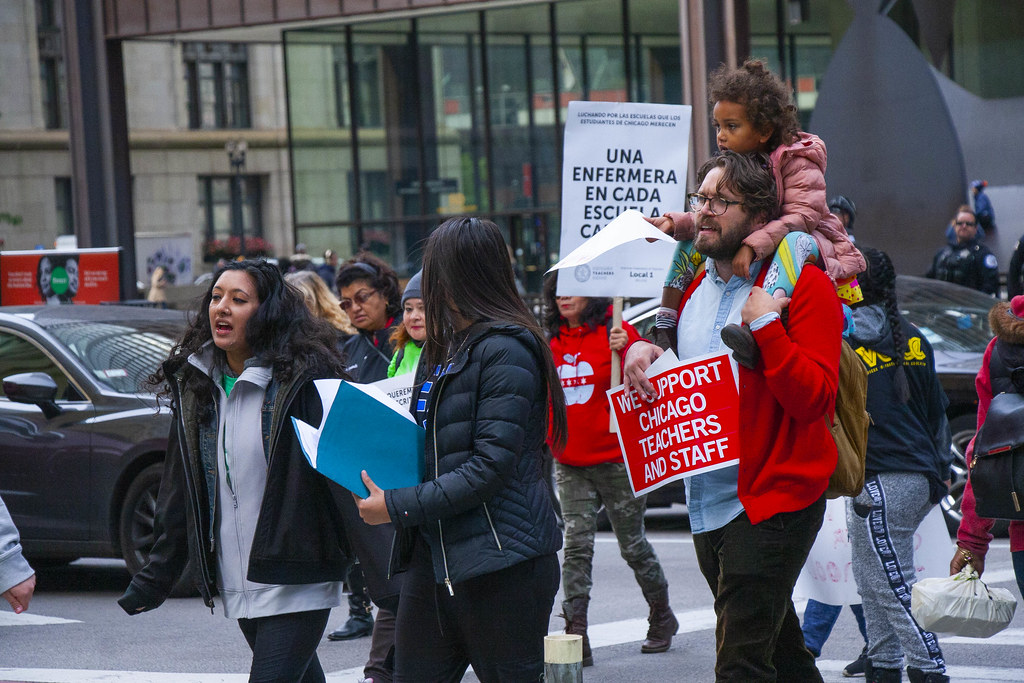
x=616, y=356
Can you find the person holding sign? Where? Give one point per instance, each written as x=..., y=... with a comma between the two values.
x=753, y=113
x=479, y=537
x=238, y=496
x=753, y=525
x=590, y=471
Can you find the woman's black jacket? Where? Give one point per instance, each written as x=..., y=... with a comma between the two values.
x=299, y=537
x=483, y=505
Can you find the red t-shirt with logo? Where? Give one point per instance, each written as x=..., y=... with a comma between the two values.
x=584, y=362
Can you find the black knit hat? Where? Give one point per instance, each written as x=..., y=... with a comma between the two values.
x=413, y=290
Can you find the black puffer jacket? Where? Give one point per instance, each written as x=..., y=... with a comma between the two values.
x=483, y=505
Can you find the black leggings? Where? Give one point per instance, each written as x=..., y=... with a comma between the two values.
x=496, y=621
x=284, y=646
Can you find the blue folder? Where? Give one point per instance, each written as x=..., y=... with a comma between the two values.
x=362, y=430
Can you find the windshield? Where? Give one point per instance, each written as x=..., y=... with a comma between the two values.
x=952, y=319
x=121, y=356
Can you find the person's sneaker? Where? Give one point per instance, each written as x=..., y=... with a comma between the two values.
x=744, y=347
x=856, y=667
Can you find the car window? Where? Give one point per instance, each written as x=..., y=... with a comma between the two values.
x=120, y=356
x=18, y=355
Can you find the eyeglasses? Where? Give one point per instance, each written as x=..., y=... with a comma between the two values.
x=716, y=205
x=971, y=223
x=360, y=297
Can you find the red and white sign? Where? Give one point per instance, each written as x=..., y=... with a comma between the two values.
x=691, y=428
x=78, y=276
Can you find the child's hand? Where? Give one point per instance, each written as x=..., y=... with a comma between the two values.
x=617, y=338
x=742, y=260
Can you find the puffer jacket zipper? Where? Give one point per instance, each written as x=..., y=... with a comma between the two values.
x=490, y=523
x=440, y=531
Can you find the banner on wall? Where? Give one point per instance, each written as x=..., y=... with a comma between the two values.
x=72, y=276
x=173, y=252
x=619, y=156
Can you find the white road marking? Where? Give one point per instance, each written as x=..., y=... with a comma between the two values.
x=30, y=619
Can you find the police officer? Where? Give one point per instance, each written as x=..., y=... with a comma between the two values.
x=965, y=260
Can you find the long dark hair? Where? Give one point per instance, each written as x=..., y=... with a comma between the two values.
x=595, y=313
x=282, y=332
x=467, y=276
x=878, y=285
x=366, y=266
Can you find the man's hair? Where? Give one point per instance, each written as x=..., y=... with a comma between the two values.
x=748, y=175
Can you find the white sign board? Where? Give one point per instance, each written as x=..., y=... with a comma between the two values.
x=620, y=156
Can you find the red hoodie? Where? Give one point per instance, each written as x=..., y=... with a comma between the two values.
x=584, y=362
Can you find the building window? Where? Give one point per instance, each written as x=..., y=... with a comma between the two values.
x=217, y=84
x=49, y=25
x=225, y=205
x=65, y=206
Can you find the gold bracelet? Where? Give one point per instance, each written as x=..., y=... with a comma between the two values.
x=968, y=556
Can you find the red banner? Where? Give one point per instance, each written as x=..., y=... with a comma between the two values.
x=691, y=428
x=81, y=276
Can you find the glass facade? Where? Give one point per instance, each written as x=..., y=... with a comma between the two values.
x=397, y=124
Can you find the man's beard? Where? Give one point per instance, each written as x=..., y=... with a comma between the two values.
x=726, y=246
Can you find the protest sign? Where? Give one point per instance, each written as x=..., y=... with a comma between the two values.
x=827, y=575
x=620, y=156
x=692, y=426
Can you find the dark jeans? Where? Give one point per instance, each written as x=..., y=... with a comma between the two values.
x=751, y=570
x=284, y=646
x=820, y=618
x=381, y=664
x=1018, y=568
x=496, y=622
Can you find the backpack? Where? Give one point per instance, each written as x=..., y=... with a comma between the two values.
x=849, y=425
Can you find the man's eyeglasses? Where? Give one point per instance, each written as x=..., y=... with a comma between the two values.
x=971, y=223
x=716, y=205
x=360, y=297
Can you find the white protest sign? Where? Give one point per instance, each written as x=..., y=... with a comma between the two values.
x=827, y=575
x=628, y=226
x=620, y=156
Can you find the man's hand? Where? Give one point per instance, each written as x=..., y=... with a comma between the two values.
x=19, y=596
x=637, y=360
x=663, y=223
x=742, y=260
x=963, y=557
x=760, y=302
x=372, y=509
x=617, y=338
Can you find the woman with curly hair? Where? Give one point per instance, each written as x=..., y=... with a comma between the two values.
x=589, y=468
x=320, y=300
x=907, y=465
x=260, y=525
x=754, y=113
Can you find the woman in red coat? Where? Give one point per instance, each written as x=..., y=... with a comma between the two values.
x=590, y=471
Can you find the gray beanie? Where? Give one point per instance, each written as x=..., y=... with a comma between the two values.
x=412, y=290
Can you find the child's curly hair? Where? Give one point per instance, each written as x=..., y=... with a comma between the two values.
x=766, y=99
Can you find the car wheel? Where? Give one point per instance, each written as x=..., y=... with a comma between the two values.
x=138, y=513
x=962, y=428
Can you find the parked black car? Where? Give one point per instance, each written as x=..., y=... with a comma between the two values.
x=954, y=319
x=83, y=440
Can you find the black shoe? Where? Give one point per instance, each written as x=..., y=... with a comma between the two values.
x=856, y=667
x=744, y=347
x=357, y=626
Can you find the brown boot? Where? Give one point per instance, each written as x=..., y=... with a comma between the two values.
x=574, y=612
x=663, y=624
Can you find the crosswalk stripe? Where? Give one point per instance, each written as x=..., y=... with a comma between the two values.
x=30, y=619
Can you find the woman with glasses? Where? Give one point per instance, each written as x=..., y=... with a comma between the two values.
x=368, y=292
x=479, y=537
x=965, y=260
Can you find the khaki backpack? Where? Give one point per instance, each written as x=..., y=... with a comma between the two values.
x=850, y=425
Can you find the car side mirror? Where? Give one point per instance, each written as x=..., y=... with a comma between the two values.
x=36, y=388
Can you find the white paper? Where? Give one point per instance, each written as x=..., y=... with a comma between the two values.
x=628, y=226
x=398, y=389
x=309, y=436
x=374, y=391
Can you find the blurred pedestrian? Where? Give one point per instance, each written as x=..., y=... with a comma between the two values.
x=328, y=270
x=1015, y=271
x=411, y=333
x=983, y=206
x=17, y=579
x=321, y=302
x=479, y=537
x=261, y=520
x=908, y=460
x=846, y=211
x=158, y=282
x=589, y=468
x=1002, y=370
x=965, y=260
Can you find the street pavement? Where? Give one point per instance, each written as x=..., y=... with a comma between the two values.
x=76, y=633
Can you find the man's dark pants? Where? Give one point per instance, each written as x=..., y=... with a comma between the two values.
x=751, y=569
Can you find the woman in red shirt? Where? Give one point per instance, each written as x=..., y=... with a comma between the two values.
x=590, y=472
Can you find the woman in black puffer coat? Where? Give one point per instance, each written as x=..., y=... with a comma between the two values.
x=479, y=536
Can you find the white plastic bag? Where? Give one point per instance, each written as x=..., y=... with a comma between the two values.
x=962, y=605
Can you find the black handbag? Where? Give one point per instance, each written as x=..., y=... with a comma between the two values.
x=997, y=470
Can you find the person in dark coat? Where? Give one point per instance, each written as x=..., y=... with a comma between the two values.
x=965, y=260
x=479, y=537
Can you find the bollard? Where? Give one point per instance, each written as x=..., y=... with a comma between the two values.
x=563, y=658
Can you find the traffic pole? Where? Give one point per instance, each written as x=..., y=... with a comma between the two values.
x=563, y=658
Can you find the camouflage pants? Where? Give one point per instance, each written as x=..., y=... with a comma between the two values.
x=582, y=491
